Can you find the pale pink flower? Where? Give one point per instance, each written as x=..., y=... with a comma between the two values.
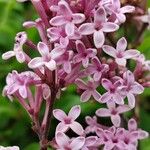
x=120, y=53
x=97, y=69
x=89, y=90
x=20, y=82
x=66, y=17
x=47, y=58
x=131, y=88
x=98, y=27
x=113, y=112
x=64, y=143
x=20, y=39
x=83, y=54
x=119, y=12
x=113, y=93
x=68, y=121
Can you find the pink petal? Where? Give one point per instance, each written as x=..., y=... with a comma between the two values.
x=96, y=62
x=116, y=3
x=131, y=54
x=43, y=48
x=137, y=88
x=107, y=84
x=80, y=46
x=116, y=120
x=85, y=62
x=78, y=18
x=106, y=97
x=132, y=125
x=46, y=91
x=61, y=127
x=142, y=134
x=87, y=28
x=90, y=141
x=61, y=139
x=118, y=98
x=111, y=104
x=109, y=50
x=123, y=108
x=99, y=38
x=97, y=76
x=128, y=75
x=58, y=21
x=81, y=84
x=96, y=95
x=36, y=62
x=8, y=55
x=131, y=100
x=127, y=9
x=121, y=44
x=121, y=18
x=67, y=67
x=86, y=95
x=12, y=89
x=51, y=65
x=77, y=128
x=75, y=112
x=99, y=16
x=108, y=146
x=59, y=114
x=103, y=112
x=110, y=27
x=20, y=56
x=121, y=61
x=77, y=143
x=69, y=29
x=23, y=92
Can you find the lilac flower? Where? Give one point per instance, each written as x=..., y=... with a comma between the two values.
x=64, y=143
x=92, y=124
x=89, y=142
x=9, y=148
x=113, y=93
x=113, y=112
x=119, y=12
x=67, y=17
x=89, y=90
x=68, y=121
x=20, y=39
x=131, y=88
x=47, y=58
x=98, y=28
x=19, y=82
x=97, y=69
x=119, y=53
x=83, y=54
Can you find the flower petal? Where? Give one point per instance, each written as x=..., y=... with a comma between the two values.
x=121, y=61
x=96, y=95
x=109, y=50
x=103, y=112
x=75, y=112
x=87, y=28
x=78, y=18
x=69, y=29
x=23, y=92
x=51, y=65
x=86, y=95
x=110, y=27
x=99, y=38
x=121, y=44
x=131, y=100
x=58, y=21
x=77, y=128
x=36, y=62
x=59, y=114
x=20, y=56
x=132, y=125
x=43, y=48
x=8, y=55
x=131, y=54
x=116, y=120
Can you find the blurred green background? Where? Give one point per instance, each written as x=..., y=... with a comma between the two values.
x=15, y=126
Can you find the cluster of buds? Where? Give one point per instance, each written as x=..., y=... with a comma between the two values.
x=78, y=47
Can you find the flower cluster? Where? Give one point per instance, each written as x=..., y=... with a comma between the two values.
x=76, y=47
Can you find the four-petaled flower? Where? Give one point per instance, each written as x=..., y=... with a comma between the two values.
x=113, y=112
x=119, y=53
x=83, y=54
x=68, y=121
x=98, y=27
x=89, y=90
x=64, y=143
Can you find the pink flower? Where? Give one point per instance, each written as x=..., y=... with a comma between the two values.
x=66, y=17
x=20, y=39
x=68, y=121
x=113, y=93
x=113, y=112
x=19, y=82
x=99, y=26
x=119, y=12
x=119, y=53
x=47, y=58
x=89, y=90
x=131, y=88
x=97, y=69
x=83, y=54
x=64, y=143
